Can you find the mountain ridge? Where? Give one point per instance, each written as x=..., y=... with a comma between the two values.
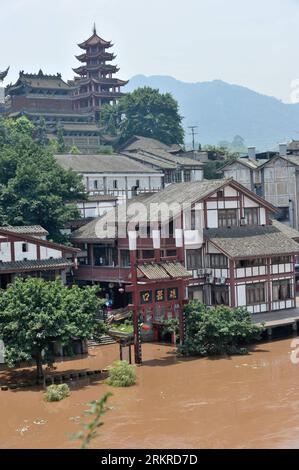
x=223, y=110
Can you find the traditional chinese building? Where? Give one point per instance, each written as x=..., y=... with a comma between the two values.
x=227, y=243
x=25, y=251
x=72, y=106
x=96, y=84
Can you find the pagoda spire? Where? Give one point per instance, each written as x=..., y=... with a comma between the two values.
x=94, y=28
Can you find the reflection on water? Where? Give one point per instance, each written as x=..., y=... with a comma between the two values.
x=249, y=401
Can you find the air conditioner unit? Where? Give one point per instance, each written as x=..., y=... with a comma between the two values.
x=243, y=222
x=201, y=272
x=208, y=271
x=223, y=280
x=218, y=280
x=210, y=279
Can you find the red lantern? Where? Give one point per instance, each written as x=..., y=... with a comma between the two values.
x=146, y=327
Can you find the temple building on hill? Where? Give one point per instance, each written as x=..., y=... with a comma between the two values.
x=96, y=85
x=50, y=97
x=73, y=106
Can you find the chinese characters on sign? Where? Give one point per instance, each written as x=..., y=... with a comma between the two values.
x=172, y=293
x=160, y=295
x=146, y=297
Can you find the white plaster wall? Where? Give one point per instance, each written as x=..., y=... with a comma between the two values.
x=212, y=219
x=263, y=220
x=47, y=253
x=230, y=192
x=241, y=296
x=5, y=254
x=30, y=254
x=249, y=202
x=196, y=175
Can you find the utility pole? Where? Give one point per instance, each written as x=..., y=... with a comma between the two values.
x=193, y=133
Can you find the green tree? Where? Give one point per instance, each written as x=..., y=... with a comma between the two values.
x=35, y=313
x=34, y=189
x=148, y=113
x=217, y=331
x=74, y=150
x=60, y=139
x=218, y=157
x=41, y=132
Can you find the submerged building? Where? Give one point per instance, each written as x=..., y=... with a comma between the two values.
x=233, y=252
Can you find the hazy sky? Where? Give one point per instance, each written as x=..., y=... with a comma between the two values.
x=252, y=43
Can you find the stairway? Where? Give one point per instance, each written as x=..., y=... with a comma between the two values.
x=105, y=339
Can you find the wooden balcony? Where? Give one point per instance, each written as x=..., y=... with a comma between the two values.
x=102, y=274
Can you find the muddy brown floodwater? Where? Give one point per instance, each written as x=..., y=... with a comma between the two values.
x=241, y=402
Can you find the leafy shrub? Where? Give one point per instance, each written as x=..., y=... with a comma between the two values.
x=122, y=374
x=217, y=331
x=57, y=392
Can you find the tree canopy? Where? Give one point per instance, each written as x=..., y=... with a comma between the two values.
x=217, y=331
x=35, y=313
x=145, y=112
x=34, y=189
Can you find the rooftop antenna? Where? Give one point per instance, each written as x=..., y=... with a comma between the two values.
x=94, y=28
x=193, y=133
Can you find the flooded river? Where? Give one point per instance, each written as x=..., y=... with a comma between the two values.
x=241, y=402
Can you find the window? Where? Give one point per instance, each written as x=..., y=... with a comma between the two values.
x=220, y=194
x=114, y=184
x=125, y=258
x=252, y=215
x=193, y=259
x=170, y=253
x=24, y=247
x=281, y=290
x=137, y=183
x=247, y=263
x=281, y=260
x=220, y=295
x=255, y=293
x=218, y=261
x=95, y=184
x=105, y=256
x=148, y=254
x=227, y=217
x=187, y=176
x=168, y=177
x=178, y=176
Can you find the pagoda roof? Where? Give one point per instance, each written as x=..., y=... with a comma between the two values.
x=95, y=40
x=100, y=54
x=93, y=68
x=40, y=80
x=101, y=81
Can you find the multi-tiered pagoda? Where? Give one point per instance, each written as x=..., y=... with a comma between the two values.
x=96, y=84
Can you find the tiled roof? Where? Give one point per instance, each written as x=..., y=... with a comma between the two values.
x=175, y=269
x=155, y=271
x=174, y=197
x=246, y=242
x=145, y=143
x=152, y=271
x=151, y=160
x=286, y=229
x=26, y=229
x=35, y=265
x=102, y=164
